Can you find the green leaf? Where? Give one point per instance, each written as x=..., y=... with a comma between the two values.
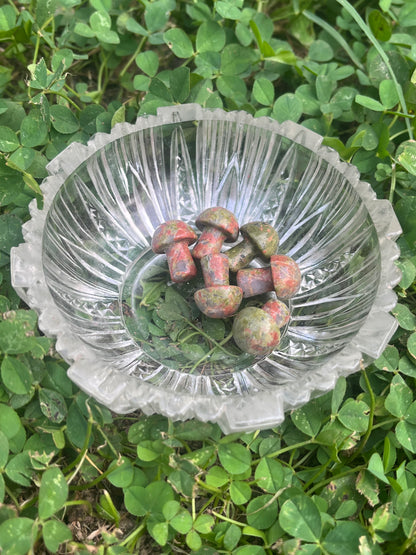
x=269, y=475
x=227, y=10
x=406, y=319
x=406, y=156
x=234, y=457
x=17, y=535
x=384, y=519
x=216, y=477
x=121, y=472
x=9, y=421
x=320, y=51
x=181, y=522
x=16, y=376
x=376, y=467
x=263, y=91
x=8, y=139
x=370, y=103
x=338, y=394
x=204, y=523
x=240, y=492
x=406, y=434
x=54, y=534
x=389, y=360
x=19, y=469
x=135, y=500
x=367, y=485
x=193, y=540
x=379, y=25
x=83, y=30
x=7, y=18
x=22, y=158
x=52, y=404
x=308, y=419
x=300, y=517
x=344, y=539
x=407, y=367
x=119, y=116
x=346, y=509
x=182, y=482
x=39, y=74
x=148, y=62
x=179, y=81
x=44, y=10
x=159, y=531
x=157, y=14
x=236, y=59
x=62, y=58
x=179, y=42
x=233, y=87
x=53, y=492
x=388, y=94
x=408, y=270
x=4, y=450
x=262, y=512
x=287, y=107
x=232, y=537
x=63, y=120
x=354, y=415
x=100, y=21
x=399, y=398
x=210, y=37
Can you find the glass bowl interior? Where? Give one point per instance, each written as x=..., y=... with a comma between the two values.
x=96, y=251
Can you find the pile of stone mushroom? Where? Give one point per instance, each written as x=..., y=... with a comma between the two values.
x=255, y=330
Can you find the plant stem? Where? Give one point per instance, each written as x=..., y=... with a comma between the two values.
x=133, y=57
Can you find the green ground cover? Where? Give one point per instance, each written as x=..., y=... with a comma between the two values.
x=338, y=476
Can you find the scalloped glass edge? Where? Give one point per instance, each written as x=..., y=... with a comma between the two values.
x=236, y=413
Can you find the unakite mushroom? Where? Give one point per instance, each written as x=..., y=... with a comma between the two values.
x=278, y=310
x=218, y=299
x=217, y=225
x=282, y=276
x=255, y=331
x=260, y=239
x=173, y=239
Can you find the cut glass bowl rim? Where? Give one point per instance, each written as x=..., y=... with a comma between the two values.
x=125, y=393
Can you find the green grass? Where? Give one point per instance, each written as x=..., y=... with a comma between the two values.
x=338, y=476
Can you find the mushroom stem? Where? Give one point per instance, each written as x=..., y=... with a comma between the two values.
x=255, y=281
x=181, y=264
x=215, y=269
x=240, y=255
x=282, y=276
x=209, y=242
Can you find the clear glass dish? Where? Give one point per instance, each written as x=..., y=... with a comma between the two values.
x=87, y=253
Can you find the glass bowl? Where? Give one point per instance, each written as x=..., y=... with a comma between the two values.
x=87, y=254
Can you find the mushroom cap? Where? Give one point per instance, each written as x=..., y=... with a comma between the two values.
x=278, y=310
x=255, y=331
x=286, y=276
x=219, y=218
x=171, y=232
x=219, y=301
x=263, y=236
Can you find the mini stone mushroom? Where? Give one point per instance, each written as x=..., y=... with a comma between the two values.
x=255, y=331
x=282, y=276
x=218, y=299
x=173, y=238
x=260, y=239
x=217, y=225
x=278, y=310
